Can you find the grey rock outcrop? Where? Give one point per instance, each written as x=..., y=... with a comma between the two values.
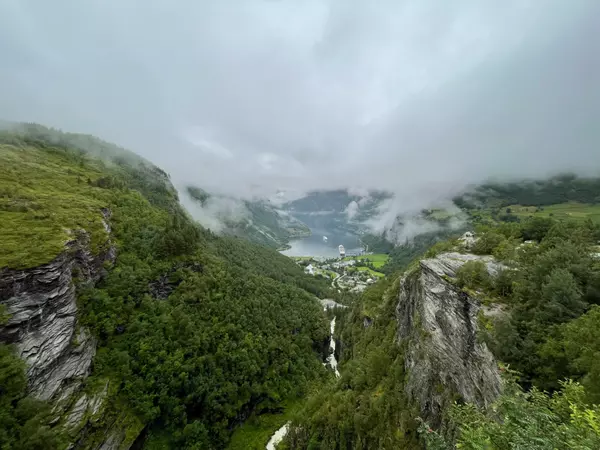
x=468, y=240
x=86, y=409
x=42, y=325
x=447, y=264
x=438, y=328
x=117, y=432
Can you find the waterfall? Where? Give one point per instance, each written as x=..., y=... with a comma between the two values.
x=331, y=358
x=278, y=437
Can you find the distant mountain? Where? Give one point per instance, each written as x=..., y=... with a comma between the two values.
x=543, y=192
x=337, y=211
x=259, y=221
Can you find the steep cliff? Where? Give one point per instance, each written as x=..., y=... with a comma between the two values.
x=437, y=326
x=58, y=193
x=41, y=304
x=186, y=335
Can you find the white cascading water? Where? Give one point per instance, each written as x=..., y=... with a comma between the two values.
x=278, y=437
x=331, y=358
x=332, y=362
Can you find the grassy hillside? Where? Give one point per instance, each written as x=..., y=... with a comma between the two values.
x=45, y=198
x=561, y=211
x=195, y=332
x=556, y=190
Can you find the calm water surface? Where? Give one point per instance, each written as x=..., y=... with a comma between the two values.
x=314, y=245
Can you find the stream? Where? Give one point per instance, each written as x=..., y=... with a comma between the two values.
x=331, y=361
x=278, y=437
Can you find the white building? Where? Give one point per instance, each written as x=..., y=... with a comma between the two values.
x=309, y=269
x=342, y=251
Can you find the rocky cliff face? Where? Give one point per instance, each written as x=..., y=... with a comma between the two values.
x=438, y=327
x=42, y=325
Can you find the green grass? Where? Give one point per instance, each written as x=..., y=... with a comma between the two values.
x=326, y=273
x=440, y=214
x=559, y=211
x=371, y=271
x=45, y=199
x=571, y=210
x=378, y=259
x=257, y=430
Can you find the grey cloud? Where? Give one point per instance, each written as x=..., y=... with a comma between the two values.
x=352, y=209
x=416, y=96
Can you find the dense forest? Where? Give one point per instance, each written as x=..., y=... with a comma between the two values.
x=195, y=331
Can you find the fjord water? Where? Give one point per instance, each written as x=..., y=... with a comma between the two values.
x=315, y=246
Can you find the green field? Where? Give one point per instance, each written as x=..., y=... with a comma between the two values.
x=440, y=214
x=378, y=259
x=256, y=431
x=371, y=271
x=576, y=211
x=331, y=273
x=564, y=211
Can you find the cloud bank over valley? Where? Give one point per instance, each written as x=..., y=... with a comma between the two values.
x=416, y=97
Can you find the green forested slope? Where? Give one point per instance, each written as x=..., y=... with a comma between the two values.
x=257, y=221
x=195, y=331
x=546, y=339
x=366, y=407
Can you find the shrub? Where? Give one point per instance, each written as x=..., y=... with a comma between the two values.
x=487, y=243
x=473, y=275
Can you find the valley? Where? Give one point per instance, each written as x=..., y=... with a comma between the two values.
x=127, y=324
x=284, y=225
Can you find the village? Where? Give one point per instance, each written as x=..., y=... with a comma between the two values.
x=347, y=273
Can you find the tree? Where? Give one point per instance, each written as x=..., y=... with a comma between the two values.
x=24, y=421
x=486, y=244
x=473, y=275
x=562, y=299
x=536, y=228
x=575, y=349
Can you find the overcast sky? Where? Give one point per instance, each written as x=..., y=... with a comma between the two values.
x=416, y=96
